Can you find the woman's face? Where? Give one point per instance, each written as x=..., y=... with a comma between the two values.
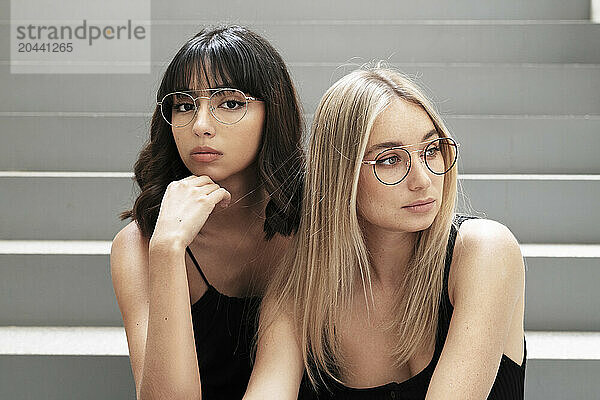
x=402, y=123
x=236, y=146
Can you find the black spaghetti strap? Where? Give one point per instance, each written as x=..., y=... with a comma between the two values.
x=446, y=304
x=197, y=266
x=459, y=219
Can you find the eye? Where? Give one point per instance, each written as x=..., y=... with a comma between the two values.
x=231, y=104
x=432, y=151
x=391, y=160
x=183, y=107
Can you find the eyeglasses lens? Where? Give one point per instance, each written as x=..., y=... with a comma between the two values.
x=227, y=106
x=392, y=165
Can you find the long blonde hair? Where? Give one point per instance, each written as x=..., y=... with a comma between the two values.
x=315, y=281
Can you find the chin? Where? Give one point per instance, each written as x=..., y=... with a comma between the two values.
x=418, y=222
x=212, y=171
x=403, y=226
x=415, y=228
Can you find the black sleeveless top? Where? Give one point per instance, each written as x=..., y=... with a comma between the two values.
x=224, y=328
x=510, y=378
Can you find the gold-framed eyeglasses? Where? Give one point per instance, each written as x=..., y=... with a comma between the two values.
x=393, y=164
x=226, y=105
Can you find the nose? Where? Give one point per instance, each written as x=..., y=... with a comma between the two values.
x=203, y=122
x=418, y=177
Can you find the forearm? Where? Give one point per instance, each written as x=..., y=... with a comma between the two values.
x=170, y=362
x=279, y=367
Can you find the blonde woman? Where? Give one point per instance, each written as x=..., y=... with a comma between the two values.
x=387, y=292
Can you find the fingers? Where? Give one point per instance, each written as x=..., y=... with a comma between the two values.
x=220, y=196
x=206, y=186
x=198, y=180
x=207, y=189
x=189, y=178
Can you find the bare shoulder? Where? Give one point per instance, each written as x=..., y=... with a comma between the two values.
x=487, y=318
x=485, y=249
x=130, y=235
x=129, y=256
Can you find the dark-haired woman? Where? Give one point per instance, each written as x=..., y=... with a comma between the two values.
x=220, y=185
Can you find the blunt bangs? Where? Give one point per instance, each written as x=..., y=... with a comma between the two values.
x=225, y=58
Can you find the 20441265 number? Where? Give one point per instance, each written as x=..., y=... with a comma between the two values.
x=26, y=47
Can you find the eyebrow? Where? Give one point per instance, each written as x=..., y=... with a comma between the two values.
x=385, y=145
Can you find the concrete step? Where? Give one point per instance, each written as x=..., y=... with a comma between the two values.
x=65, y=284
x=481, y=88
x=402, y=41
x=412, y=41
x=527, y=144
x=112, y=341
x=561, y=287
x=85, y=206
x=261, y=10
x=488, y=89
x=72, y=142
x=63, y=341
x=537, y=208
x=68, y=283
x=83, y=377
x=378, y=9
x=111, y=141
x=73, y=363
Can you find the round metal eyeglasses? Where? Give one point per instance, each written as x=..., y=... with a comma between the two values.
x=393, y=164
x=226, y=105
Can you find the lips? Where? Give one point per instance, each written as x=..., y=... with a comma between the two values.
x=205, y=150
x=420, y=202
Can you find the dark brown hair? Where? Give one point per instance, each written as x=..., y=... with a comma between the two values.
x=236, y=57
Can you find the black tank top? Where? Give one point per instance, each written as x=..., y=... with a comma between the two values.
x=224, y=328
x=510, y=379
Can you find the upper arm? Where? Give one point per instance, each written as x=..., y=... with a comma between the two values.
x=489, y=279
x=129, y=272
x=278, y=367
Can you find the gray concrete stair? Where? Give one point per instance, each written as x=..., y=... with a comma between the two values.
x=488, y=89
x=273, y=10
x=74, y=358
x=405, y=41
x=532, y=206
x=490, y=144
x=68, y=283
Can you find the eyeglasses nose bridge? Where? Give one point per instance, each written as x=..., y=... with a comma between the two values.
x=421, y=157
x=197, y=102
x=198, y=109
